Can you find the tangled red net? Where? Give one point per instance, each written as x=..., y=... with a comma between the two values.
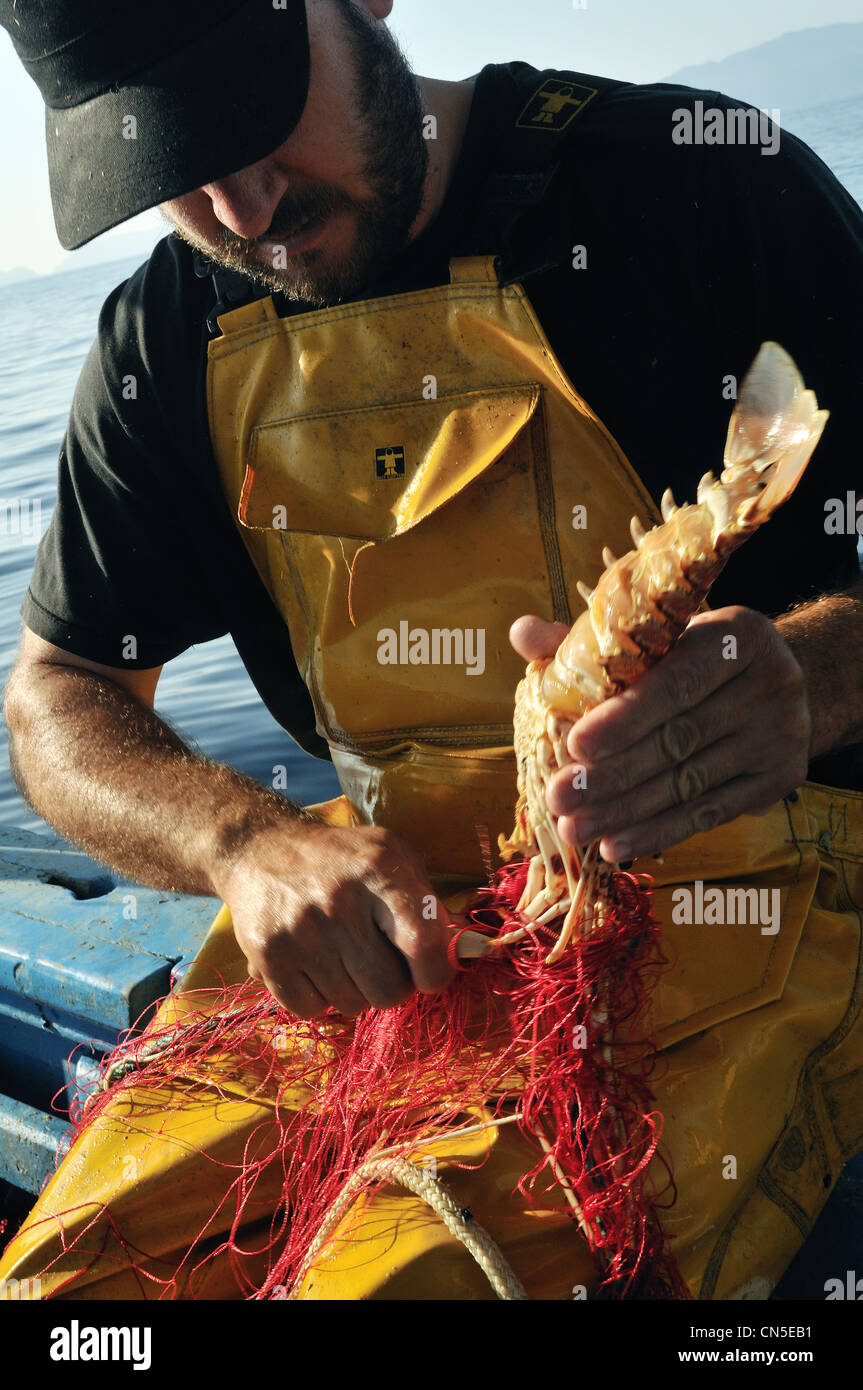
x=512, y=1038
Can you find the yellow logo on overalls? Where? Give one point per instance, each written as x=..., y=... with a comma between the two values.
x=390, y=463
x=554, y=104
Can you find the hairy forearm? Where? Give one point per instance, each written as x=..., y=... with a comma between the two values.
x=826, y=637
x=111, y=776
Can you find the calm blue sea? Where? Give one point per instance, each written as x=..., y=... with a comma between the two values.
x=47, y=326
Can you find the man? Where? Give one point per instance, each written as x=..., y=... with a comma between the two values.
x=655, y=269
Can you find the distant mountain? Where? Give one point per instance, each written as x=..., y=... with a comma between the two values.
x=117, y=247
x=137, y=243
x=797, y=70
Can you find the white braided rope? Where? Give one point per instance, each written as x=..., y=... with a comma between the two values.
x=431, y=1190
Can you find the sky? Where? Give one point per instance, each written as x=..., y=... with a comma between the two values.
x=636, y=40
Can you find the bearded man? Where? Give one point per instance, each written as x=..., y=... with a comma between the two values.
x=367, y=267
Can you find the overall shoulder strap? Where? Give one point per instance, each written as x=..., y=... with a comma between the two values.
x=230, y=287
x=540, y=119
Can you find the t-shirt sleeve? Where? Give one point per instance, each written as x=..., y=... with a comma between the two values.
x=118, y=576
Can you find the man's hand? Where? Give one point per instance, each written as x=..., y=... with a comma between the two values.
x=717, y=729
x=324, y=916
x=327, y=916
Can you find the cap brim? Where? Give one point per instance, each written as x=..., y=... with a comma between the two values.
x=223, y=102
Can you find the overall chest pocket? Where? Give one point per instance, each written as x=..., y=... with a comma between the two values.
x=402, y=541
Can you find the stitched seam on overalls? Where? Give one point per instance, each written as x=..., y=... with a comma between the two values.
x=299, y=590
x=351, y=311
x=779, y=1198
x=547, y=512
x=843, y=856
x=713, y=1268
x=803, y=1108
x=795, y=841
x=339, y=413
x=492, y=733
x=855, y=1075
x=855, y=1004
x=717, y=1255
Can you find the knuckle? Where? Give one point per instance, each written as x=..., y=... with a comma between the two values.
x=678, y=738
x=687, y=685
x=707, y=816
x=689, y=782
x=750, y=624
x=304, y=933
x=420, y=945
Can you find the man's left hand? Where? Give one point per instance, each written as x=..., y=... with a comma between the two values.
x=719, y=728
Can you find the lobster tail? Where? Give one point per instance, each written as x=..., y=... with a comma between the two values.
x=643, y=601
x=772, y=433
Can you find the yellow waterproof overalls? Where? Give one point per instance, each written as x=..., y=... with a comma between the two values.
x=416, y=464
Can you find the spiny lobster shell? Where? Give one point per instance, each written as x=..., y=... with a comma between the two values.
x=644, y=600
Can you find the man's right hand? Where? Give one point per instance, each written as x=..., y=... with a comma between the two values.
x=324, y=916
x=328, y=916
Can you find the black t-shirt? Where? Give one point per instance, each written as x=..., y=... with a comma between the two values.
x=695, y=254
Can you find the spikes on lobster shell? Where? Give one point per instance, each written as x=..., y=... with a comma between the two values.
x=638, y=609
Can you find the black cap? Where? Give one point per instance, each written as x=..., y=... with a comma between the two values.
x=148, y=100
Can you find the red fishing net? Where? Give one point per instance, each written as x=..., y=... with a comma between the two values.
x=512, y=1036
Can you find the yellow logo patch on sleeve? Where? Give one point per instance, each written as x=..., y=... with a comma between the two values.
x=554, y=105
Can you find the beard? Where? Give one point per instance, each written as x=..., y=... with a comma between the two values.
x=395, y=163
